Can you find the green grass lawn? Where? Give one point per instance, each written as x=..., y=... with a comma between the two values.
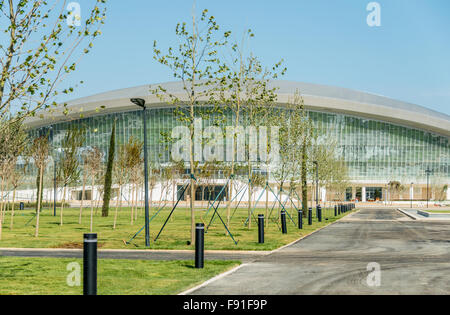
x=48, y=276
x=175, y=235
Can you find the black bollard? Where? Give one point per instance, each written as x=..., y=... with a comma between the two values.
x=199, y=245
x=283, y=222
x=319, y=213
x=90, y=264
x=335, y=210
x=300, y=219
x=309, y=216
x=261, y=228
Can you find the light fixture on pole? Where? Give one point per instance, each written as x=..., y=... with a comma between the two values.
x=141, y=103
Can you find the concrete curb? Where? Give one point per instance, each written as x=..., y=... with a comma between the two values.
x=407, y=214
x=219, y=276
x=425, y=218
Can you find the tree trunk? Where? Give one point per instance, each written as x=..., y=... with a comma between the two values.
x=41, y=174
x=249, y=195
x=192, y=182
x=117, y=206
x=304, y=179
x=12, y=209
x=62, y=205
x=1, y=198
x=174, y=189
x=132, y=203
x=82, y=197
x=136, y=202
x=92, y=203
x=267, y=205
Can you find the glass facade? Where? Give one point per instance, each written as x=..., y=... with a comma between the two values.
x=373, y=150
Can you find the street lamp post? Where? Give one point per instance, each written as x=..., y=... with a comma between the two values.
x=428, y=172
x=141, y=103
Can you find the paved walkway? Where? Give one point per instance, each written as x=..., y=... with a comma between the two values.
x=414, y=258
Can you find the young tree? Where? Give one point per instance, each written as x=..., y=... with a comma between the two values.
x=41, y=45
x=121, y=173
x=196, y=63
x=93, y=167
x=40, y=151
x=290, y=145
x=13, y=141
x=84, y=178
x=17, y=176
x=69, y=168
x=246, y=93
x=332, y=170
x=133, y=162
x=108, y=174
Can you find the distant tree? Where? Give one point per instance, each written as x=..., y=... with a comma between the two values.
x=395, y=188
x=13, y=143
x=69, y=168
x=121, y=174
x=40, y=151
x=197, y=64
x=108, y=174
x=17, y=176
x=93, y=162
x=133, y=163
x=245, y=92
x=83, y=189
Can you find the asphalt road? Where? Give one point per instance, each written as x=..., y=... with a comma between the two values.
x=413, y=257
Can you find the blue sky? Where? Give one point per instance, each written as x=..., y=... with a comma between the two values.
x=322, y=41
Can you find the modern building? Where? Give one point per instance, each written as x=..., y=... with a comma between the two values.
x=382, y=140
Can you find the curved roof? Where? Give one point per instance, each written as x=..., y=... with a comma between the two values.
x=316, y=97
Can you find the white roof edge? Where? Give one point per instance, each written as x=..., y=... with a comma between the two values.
x=317, y=97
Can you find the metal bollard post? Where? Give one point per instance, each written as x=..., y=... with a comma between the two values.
x=90, y=264
x=261, y=228
x=319, y=213
x=199, y=245
x=283, y=222
x=300, y=219
x=335, y=210
x=309, y=216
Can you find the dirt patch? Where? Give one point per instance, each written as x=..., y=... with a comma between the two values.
x=74, y=245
